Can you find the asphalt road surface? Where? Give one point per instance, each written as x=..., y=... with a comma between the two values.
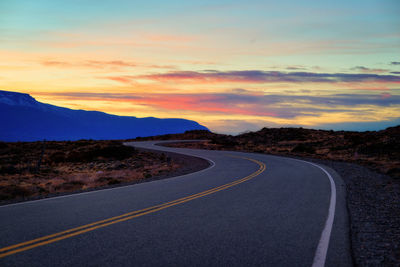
x=246, y=209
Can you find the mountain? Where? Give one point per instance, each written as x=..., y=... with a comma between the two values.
x=22, y=118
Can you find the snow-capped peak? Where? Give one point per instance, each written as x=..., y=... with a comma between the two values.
x=17, y=99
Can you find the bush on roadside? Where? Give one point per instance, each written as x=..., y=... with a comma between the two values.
x=14, y=191
x=304, y=148
x=92, y=152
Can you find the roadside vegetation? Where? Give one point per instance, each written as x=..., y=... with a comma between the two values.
x=35, y=169
x=379, y=150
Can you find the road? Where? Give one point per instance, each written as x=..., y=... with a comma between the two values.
x=246, y=209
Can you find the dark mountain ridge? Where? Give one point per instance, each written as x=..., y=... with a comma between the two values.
x=25, y=119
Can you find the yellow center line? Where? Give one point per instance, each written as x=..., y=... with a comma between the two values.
x=9, y=250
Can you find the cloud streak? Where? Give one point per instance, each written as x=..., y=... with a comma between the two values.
x=88, y=63
x=369, y=70
x=259, y=76
x=274, y=105
x=101, y=64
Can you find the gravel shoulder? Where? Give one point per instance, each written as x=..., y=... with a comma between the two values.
x=373, y=202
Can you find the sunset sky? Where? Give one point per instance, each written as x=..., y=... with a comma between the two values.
x=232, y=66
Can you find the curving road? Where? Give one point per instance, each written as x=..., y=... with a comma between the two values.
x=245, y=209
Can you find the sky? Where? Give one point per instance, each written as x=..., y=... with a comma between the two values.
x=233, y=66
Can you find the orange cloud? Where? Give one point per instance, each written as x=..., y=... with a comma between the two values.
x=199, y=104
x=246, y=103
x=121, y=79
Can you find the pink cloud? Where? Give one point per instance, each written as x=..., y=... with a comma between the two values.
x=386, y=95
x=121, y=79
x=245, y=103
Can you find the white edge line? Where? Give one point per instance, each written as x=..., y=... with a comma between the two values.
x=323, y=244
x=212, y=164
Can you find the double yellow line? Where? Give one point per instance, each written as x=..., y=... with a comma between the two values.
x=41, y=241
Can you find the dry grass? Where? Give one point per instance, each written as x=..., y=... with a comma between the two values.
x=72, y=166
x=377, y=150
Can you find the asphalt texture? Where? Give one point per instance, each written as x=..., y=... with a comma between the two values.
x=273, y=219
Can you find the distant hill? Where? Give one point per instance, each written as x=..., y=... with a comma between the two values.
x=22, y=118
x=379, y=150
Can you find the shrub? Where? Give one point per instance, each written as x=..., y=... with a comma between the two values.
x=92, y=153
x=304, y=148
x=379, y=149
x=13, y=191
x=113, y=181
x=57, y=157
x=226, y=141
x=8, y=169
x=3, y=145
x=71, y=185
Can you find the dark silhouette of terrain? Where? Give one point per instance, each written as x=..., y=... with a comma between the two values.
x=29, y=169
x=379, y=150
x=25, y=119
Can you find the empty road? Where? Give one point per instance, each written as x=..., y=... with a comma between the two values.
x=245, y=209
